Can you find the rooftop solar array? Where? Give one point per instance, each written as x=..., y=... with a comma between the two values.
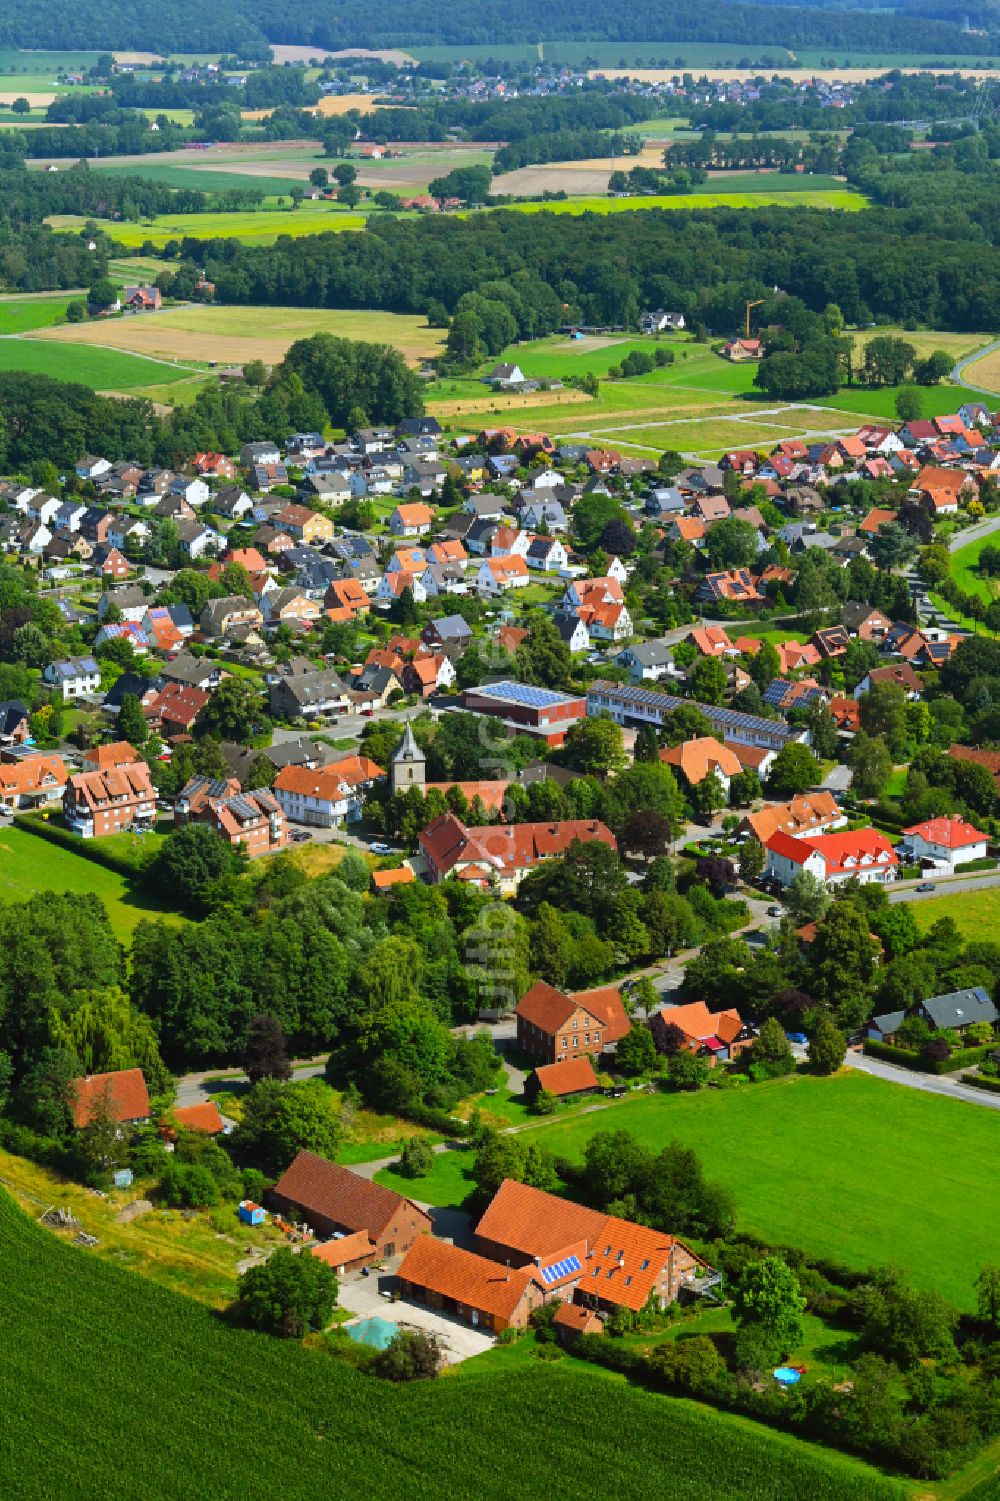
x=560, y=1269
x=523, y=693
x=646, y=698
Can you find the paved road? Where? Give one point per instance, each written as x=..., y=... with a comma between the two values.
x=958, y=371
x=194, y=1089
x=927, y=1083
x=945, y=886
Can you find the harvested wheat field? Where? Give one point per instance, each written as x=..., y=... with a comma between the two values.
x=576, y=178
x=231, y=335
x=290, y=53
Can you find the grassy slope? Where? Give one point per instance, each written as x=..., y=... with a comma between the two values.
x=91, y=1358
x=850, y=1168
x=102, y=369
x=965, y=572
x=29, y=865
x=975, y=913
x=260, y=227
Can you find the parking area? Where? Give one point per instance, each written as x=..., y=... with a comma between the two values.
x=363, y=1296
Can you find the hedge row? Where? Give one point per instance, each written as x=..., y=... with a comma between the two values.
x=980, y=1081
x=986, y=863
x=907, y=1058
x=90, y=849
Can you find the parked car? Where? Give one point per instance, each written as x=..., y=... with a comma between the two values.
x=774, y=911
x=378, y=848
x=799, y=1037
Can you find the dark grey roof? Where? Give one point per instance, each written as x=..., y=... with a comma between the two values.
x=11, y=715
x=959, y=1008
x=889, y=1022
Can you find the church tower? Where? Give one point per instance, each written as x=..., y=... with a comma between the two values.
x=409, y=764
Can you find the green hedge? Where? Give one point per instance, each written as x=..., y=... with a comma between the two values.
x=986, y=863
x=907, y=1058
x=90, y=849
x=980, y=1081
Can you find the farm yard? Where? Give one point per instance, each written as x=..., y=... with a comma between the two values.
x=912, y=1212
x=85, y=1341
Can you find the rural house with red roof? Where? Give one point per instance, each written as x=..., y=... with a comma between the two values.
x=335, y=1201
x=554, y=1026
x=570, y=1079
x=326, y=797
x=121, y=1096
x=717, y=1036
x=482, y=1293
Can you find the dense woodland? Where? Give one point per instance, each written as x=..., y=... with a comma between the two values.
x=246, y=27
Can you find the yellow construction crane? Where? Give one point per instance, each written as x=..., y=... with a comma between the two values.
x=758, y=303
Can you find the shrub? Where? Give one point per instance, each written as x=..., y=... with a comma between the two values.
x=411, y=1355
x=416, y=1158
x=288, y=1294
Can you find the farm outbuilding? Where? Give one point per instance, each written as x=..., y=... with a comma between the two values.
x=251, y=1214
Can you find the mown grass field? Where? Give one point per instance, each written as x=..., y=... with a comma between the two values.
x=102, y=369
x=230, y=335
x=92, y=1357
x=203, y=181
x=818, y=1163
x=965, y=570
x=29, y=865
x=18, y=316
x=975, y=913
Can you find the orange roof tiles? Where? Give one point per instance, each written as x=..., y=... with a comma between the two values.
x=605, y=1002
x=337, y=1194
x=325, y=782
x=567, y=1077
x=32, y=774
x=799, y=816
x=117, y=753
x=124, y=1092
x=382, y=880
x=349, y=1248
x=951, y=832
x=701, y=758
x=203, y=1117
x=468, y=1279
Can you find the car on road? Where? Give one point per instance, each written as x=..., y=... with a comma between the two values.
x=774, y=911
x=378, y=848
x=799, y=1037
x=927, y=886
x=298, y=835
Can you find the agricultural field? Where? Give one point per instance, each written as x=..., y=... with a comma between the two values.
x=984, y=373
x=796, y=1156
x=260, y=227
x=838, y=198
x=29, y=865
x=206, y=179
x=21, y=314
x=230, y=335
x=91, y=1355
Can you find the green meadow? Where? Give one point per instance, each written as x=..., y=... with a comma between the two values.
x=850, y=1168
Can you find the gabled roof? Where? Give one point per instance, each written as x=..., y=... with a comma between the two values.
x=334, y=1192
x=124, y=1091
x=468, y=1279
x=202, y=1117
x=952, y=832
x=567, y=1077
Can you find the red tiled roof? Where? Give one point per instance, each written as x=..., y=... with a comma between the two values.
x=327, y=1189
x=470, y=1280
x=383, y=879
x=345, y=1250
x=567, y=1077
x=605, y=1002
x=951, y=833
x=203, y=1117
x=545, y=1007
x=505, y=848
x=125, y=1092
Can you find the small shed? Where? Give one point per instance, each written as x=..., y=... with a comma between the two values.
x=251, y=1213
x=123, y=1178
x=572, y=1320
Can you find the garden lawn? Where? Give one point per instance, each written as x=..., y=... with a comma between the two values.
x=965, y=570
x=976, y=914
x=850, y=1168
x=29, y=864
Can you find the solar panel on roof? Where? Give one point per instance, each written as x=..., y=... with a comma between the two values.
x=523, y=693
x=560, y=1269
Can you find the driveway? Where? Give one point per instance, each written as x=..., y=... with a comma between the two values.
x=362, y=1296
x=838, y=779
x=927, y=1083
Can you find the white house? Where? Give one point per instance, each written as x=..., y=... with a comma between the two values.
x=497, y=575
x=607, y=622
x=945, y=842
x=75, y=677
x=327, y=796
x=392, y=585
x=648, y=661
x=546, y=554
x=572, y=629
x=194, y=491
x=505, y=376
x=617, y=570
x=123, y=528
x=864, y=855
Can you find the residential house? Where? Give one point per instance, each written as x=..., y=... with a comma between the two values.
x=811, y=813
x=220, y=615
x=32, y=782
x=105, y=757
x=900, y=673
x=865, y=622
x=252, y=822
x=743, y=349
x=176, y=708
x=232, y=502
x=703, y=757
x=500, y=853
x=450, y=634
x=505, y=377
x=553, y=1026
x=214, y=466
x=944, y=843
x=943, y=489
x=132, y=602
x=303, y=525
x=109, y=802
x=308, y=695
x=569, y=624
x=413, y=519
x=596, y=1260
x=125, y=630
x=327, y=797
x=15, y=722
x=427, y=673
x=76, y=677
x=142, y=299
x=259, y=453
x=716, y=1036
x=864, y=855
x=196, y=540
x=735, y=584
x=647, y=661
x=546, y=554
x=958, y=1010
x=289, y=607
x=121, y=1097
x=498, y=575
x=334, y=1201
